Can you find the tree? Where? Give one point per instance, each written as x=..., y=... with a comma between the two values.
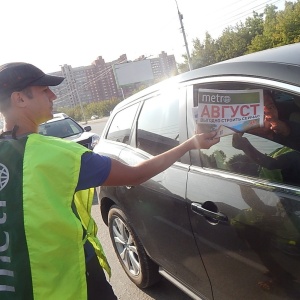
x=242, y=164
x=204, y=54
x=231, y=43
x=259, y=32
x=268, y=38
x=100, y=108
x=234, y=41
x=288, y=24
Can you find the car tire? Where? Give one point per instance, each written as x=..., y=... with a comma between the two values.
x=138, y=266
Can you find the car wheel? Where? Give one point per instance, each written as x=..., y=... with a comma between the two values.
x=138, y=266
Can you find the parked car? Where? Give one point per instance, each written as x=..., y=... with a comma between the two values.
x=65, y=127
x=210, y=224
x=94, y=117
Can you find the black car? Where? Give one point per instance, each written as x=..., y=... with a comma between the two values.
x=65, y=127
x=218, y=223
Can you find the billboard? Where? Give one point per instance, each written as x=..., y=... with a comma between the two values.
x=133, y=72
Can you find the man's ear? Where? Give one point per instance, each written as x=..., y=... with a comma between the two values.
x=17, y=99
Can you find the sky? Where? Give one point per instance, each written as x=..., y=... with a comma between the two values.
x=50, y=33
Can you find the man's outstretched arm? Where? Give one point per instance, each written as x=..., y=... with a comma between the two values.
x=122, y=174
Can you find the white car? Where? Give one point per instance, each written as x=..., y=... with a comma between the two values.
x=65, y=127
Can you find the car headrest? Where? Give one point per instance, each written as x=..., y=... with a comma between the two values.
x=295, y=116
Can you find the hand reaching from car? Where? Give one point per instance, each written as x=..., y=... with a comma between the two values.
x=271, y=125
x=277, y=126
x=240, y=142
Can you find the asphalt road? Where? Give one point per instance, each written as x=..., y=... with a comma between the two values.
x=97, y=125
x=123, y=287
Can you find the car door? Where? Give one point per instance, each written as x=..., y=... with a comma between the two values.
x=157, y=209
x=247, y=226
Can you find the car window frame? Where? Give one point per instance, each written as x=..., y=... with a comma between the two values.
x=256, y=82
x=107, y=129
x=182, y=118
x=66, y=120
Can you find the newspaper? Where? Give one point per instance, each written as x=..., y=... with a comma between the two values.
x=228, y=111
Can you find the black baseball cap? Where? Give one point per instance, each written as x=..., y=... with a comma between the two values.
x=16, y=76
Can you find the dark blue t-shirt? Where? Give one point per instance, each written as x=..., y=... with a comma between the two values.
x=94, y=170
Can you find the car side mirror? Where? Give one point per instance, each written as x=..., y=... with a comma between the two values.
x=87, y=128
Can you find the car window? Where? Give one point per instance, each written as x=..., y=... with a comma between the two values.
x=121, y=125
x=60, y=128
x=274, y=157
x=158, y=124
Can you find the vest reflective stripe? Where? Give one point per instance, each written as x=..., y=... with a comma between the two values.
x=57, y=260
x=84, y=208
x=274, y=175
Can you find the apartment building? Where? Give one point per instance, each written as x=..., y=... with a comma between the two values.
x=164, y=66
x=97, y=82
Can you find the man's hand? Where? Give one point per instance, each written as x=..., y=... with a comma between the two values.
x=271, y=125
x=240, y=142
x=204, y=140
x=279, y=127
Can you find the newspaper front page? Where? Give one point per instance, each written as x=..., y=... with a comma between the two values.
x=228, y=111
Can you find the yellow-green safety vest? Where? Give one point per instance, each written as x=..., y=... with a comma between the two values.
x=41, y=239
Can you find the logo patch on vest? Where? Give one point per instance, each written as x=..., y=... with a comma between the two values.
x=4, y=176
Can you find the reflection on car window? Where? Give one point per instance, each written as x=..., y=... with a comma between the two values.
x=158, y=125
x=281, y=123
x=225, y=156
x=120, y=127
x=270, y=152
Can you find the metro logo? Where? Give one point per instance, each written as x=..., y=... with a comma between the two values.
x=3, y=254
x=215, y=98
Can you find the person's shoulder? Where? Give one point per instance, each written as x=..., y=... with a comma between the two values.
x=55, y=142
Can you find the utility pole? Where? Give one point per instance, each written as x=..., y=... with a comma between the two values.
x=79, y=99
x=184, y=37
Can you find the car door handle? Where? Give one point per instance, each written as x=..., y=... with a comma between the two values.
x=199, y=209
x=129, y=187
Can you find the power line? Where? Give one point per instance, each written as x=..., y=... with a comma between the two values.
x=234, y=13
x=226, y=6
x=244, y=13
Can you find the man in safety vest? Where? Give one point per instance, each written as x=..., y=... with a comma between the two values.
x=46, y=194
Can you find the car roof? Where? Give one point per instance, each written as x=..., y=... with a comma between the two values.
x=57, y=116
x=280, y=64
x=60, y=116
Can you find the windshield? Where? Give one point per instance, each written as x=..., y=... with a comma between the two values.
x=60, y=128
